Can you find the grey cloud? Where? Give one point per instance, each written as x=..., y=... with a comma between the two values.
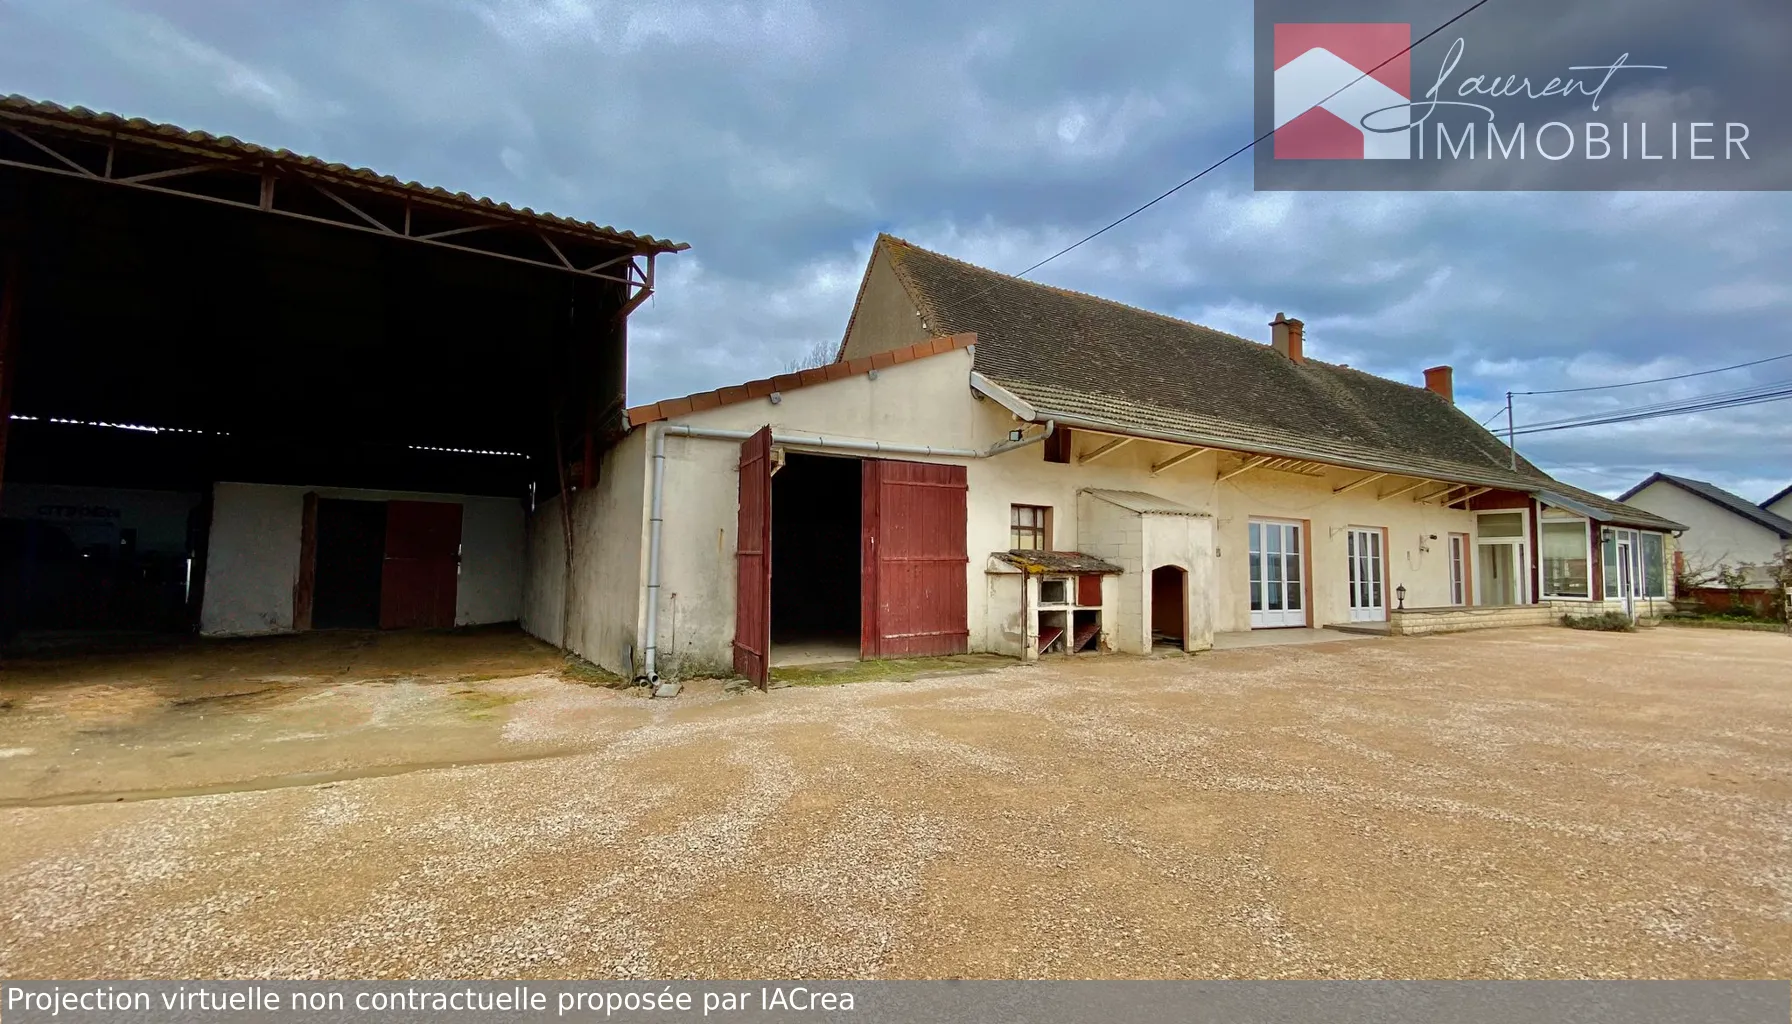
x=779, y=138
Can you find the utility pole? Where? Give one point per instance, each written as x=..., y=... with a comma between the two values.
x=1510, y=435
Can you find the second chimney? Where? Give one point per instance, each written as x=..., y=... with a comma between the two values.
x=1286, y=337
x=1442, y=380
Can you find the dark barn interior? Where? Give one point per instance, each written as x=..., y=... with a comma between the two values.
x=816, y=532
x=177, y=310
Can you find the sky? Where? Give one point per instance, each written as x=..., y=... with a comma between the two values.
x=779, y=137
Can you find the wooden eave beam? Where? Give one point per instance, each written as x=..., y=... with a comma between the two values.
x=1360, y=481
x=1477, y=492
x=1091, y=456
x=1434, y=495
x=1178, y=459
x=1409, y=488
x=1249, y=465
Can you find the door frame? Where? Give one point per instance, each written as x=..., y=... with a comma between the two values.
x=1461, y=546
x=1521, y=556
x=1371, y=613
x=1306, y=566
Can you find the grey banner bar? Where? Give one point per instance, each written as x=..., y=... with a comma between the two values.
x=876, y=1002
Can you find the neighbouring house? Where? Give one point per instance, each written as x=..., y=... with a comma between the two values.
x=996, y=465
x=1722, y=529
x=1780, y=504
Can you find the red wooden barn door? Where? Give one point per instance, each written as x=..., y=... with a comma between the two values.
x=912, y=595
x=753, y=561
x=421, y=571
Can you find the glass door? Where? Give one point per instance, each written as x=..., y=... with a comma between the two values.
x=1368, y=603
x=1277, y=597
x=1458, y=568
x=1626, y=573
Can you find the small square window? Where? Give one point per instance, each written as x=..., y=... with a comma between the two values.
x=1029, y=528
x=1054, y=591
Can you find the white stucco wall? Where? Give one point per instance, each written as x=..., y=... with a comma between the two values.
x=609, y=564
x=1714, y=534
x=252, y=561
x=929, y=402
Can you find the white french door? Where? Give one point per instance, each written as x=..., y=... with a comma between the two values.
x=1277, y=594
x=1368, y=598
x=1458, y=568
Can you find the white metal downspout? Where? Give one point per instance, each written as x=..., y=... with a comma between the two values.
x=656, y=518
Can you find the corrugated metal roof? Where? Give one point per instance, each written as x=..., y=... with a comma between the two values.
x=1144, y=504
x=174, y=138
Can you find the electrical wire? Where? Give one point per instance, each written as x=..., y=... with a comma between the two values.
x=1715, y=396
x=1633, y=415
x=1247, y=147
x=1657, y=380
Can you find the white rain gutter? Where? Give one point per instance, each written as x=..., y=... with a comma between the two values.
x=650, y=657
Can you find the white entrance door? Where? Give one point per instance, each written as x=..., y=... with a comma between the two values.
x=1368, y=599
x=1277, y=597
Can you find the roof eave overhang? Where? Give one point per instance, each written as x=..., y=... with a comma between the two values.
x=1074, y=420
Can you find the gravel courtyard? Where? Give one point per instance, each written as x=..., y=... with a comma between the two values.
x=1522, y=803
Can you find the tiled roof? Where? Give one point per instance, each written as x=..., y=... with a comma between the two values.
x=669, y=408
x=1094, y=359
x=1723, y=499
x=1143, y=503
x=1057, y=561
x=203, y=145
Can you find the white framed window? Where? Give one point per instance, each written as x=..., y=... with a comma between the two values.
x=1567, y=549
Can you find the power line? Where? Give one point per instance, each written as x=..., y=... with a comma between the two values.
x=1759, y=398
x=1244, y=148
x=1657, y=380
x=1715, y=396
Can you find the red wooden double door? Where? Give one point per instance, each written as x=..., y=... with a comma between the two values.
x=385, y=564
x=912, y=590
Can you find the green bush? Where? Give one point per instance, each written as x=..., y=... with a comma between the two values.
x=1610, y=622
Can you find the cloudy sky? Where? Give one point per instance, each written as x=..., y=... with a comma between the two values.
x=778, y=137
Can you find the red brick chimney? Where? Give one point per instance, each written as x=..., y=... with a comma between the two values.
x=1286, y=337
x=1442, y=380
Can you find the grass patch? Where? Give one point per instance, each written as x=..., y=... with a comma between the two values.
x=578, y=670
x=891, y=669
x=1609, y=622
x=1724, y=622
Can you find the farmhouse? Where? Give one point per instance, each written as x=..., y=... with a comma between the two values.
x=245, y=391
x=996, y=465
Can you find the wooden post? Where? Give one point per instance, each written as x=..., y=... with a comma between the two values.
x=9, y=330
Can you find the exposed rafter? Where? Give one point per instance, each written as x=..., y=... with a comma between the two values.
x=1434, y=495
x=277, y=188
x=1464, y=499
x=1408, y=489
x=1114, y=445
x=1360, y=481
x=1249, y=464
x=1178, y=459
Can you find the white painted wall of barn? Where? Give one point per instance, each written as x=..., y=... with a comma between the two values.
x=252, y=563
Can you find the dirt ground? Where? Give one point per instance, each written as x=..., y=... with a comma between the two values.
x=1522, y=803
